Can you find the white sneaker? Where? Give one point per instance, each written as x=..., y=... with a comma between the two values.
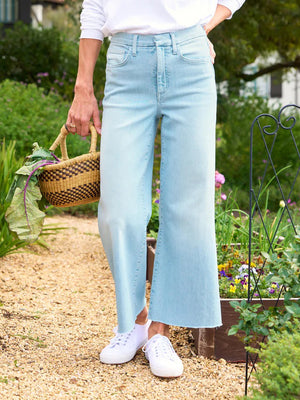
x=123, y=347
x=164, y=361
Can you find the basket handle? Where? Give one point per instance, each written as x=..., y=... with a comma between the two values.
x=61, y=140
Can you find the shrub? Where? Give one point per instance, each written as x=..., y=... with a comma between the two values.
x=278, y=371
x=254, y=320
x=45, y=57
x=27, y=115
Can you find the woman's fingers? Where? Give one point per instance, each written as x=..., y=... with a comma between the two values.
x=211, y=51
x=96, y=120
x=79, y=116
x=70, y=124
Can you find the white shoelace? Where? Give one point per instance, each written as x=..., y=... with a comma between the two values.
x=161, y=347
x=120, y=339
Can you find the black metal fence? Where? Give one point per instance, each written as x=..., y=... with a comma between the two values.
x=279, y=173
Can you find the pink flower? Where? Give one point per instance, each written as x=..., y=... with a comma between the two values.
x=219, y=179
x=223, y=196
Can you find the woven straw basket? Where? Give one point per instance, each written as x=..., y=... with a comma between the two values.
x=72, y=181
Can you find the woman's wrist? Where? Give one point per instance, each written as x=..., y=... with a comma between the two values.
x=83, y=88
x=221, y=14
x=207, y=28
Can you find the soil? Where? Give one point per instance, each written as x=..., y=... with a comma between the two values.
x=57, y=313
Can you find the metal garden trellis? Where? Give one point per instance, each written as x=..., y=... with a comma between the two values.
x=269, y=136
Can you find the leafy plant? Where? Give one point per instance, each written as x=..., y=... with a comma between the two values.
x=278, y=371
x=9, y=243
x=8, y=165
x=254, y=320
x=25, y=214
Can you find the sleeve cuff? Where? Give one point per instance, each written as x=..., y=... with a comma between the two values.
x=92, y=34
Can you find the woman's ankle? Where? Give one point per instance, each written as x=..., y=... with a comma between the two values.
x=142, y=317
x=158, y=328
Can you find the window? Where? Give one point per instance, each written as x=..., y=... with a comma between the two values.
x=8, y=11
x=276, y=84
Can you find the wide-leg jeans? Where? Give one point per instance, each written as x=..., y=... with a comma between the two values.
x=168, y=76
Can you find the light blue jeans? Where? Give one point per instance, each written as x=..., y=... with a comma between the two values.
x=148, y=77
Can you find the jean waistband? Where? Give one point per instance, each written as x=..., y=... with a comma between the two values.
x=162, y=39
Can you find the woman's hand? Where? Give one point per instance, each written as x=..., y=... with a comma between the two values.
x=220, y=15
x=211, y=51
x=84, y=109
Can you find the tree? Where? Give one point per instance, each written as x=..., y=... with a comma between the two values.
x=259, y=28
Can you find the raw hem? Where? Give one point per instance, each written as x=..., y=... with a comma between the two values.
x=191, y=326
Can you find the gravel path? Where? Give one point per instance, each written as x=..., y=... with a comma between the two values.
x=57, y=312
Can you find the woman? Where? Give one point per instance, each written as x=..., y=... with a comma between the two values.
x=159, y=66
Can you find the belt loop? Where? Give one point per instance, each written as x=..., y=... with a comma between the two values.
x=134, y=45
x=174, y=45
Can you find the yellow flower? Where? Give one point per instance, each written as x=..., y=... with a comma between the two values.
x=237, y=281
x=236, y=254
x=252, y=265
x=232, y=289
x=274, y=286
x=221, y=266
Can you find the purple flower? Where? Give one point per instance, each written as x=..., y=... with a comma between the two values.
x=42, y=74
x=157, y=190
x=264, y=161
x=222, y=272
x=156, y=201
x=256, y=294
x=271, y=290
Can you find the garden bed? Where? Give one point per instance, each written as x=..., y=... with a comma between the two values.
x=215, y=342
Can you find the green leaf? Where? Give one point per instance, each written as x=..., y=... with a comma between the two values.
x=40, y=154
x=233, y=330
x=26, y=229
x=293, y=309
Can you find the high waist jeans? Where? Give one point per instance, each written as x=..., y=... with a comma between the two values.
x=148, y=77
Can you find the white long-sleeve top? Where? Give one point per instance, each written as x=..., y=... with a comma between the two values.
x=100, y=18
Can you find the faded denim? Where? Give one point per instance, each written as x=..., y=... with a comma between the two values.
x=148, y=77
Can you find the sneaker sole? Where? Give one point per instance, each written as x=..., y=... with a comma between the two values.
x=164, y=374
x=120, y=360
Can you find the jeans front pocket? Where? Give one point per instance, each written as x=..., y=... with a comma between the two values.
x=195, y=50
x=117, y=55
